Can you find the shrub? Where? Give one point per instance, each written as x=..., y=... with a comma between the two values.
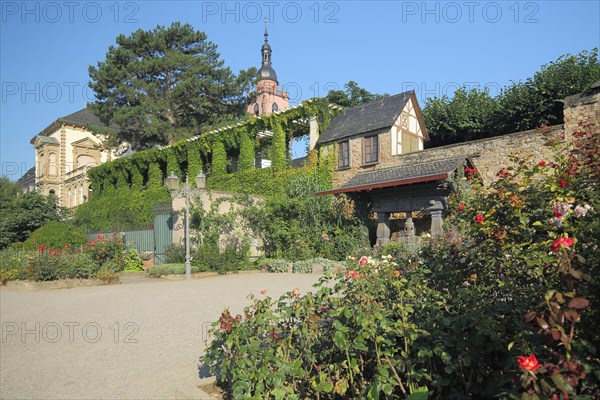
x=505, y=293
x=132, y=260
x=302, y=266
x=55, y=235
x=14, y=262
x=106, y=274
x=174, y=254
x=169, y=269
x=278, y=265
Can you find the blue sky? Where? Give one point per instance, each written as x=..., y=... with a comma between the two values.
x=387, y=47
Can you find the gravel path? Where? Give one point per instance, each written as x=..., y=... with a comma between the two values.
x=138, y=340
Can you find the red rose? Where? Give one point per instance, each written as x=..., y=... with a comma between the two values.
x=542, y=163
x=42, y=247
x=479, y=218
x=528, y=363
x=461, y=207
x=557, y=214
x=562, y=241
x=352, y=274
x=363, y=260
x=562, y=183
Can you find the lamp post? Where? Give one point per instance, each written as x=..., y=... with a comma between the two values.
x=172, y=182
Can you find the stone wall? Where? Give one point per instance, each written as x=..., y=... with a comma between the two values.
x=225, y=206
x=491, y=154
x=583, y=107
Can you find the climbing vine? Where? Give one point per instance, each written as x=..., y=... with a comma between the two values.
x=246, y=152
x=279, y=147
x=148, y=168
x=219, y=159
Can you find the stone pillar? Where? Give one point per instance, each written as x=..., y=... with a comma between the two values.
x=409, y=226
x=437, y=223
x=314, y=133
x=383, y=228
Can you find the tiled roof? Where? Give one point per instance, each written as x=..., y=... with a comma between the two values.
x=401, y=175
x=368, y=117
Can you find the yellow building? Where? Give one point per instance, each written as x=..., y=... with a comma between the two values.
x=64, y=152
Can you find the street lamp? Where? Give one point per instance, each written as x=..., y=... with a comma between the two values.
x=172, y=182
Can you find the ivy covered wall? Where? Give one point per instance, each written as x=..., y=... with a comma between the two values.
x=147, y=169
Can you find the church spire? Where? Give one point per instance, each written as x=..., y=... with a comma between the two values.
x=266, y=71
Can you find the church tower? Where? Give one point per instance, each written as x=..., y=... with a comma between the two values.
x=267, y=98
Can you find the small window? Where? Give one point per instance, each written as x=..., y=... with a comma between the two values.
x=275, y=107
x=370, y=149
x=256, y=110
x=343, y=154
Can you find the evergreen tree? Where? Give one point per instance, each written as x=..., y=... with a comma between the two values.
x=164, y=85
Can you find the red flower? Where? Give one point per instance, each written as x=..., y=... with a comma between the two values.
x=42, y=247
x=352, y=274
x=562, y=241
x=542, y=163
x=263, y=292
x=562, y=183
x=461, y=207
x=363, y=260
x=397, y=273
x=479, y=218
x=470, y=170
x=528, y=363
x=557, y=214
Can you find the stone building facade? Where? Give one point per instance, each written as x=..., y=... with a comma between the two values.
x=408, y=179
x=64, y=151
x=373, y=136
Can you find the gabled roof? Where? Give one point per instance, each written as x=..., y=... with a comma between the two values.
x=376, y=115
x=82, y=118
x=402, y=175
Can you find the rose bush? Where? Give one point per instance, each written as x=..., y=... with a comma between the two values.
x=500, y=306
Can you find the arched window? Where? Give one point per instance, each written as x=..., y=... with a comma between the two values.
x=275, y=107
x=51, y=192
x=256, y=109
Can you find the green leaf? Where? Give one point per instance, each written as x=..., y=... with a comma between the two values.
x=340, y=340
x=419, y=394
x=562, y=383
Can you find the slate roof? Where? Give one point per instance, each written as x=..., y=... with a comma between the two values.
x=368, y=117
x=47, y=139
x=401, y=175
x=29, y=175
x=82, y=118
x=298, y=162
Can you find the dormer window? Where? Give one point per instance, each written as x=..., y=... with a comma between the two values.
x=275, y=107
